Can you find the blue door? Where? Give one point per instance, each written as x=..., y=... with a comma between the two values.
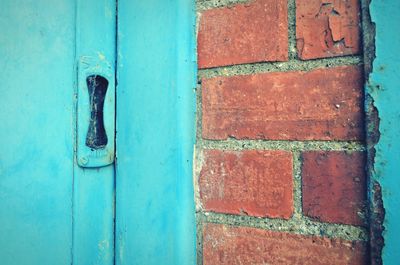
x=97, y=131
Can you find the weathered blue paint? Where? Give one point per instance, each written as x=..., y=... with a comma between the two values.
x=93, y=208
x=155, y=132
x=384, y=87
x=54, y=211
x=36, y=134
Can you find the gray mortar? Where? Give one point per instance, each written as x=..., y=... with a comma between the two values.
x=197, y=164
x=302, y=226
x=199, y=114
x=208, y=4
x=292, y=65
x=292, y=29
x=199, y=237
x=297, y=189
x=233, y=144
x=198, y=152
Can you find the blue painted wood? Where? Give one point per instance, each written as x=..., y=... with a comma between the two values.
x=53, y=211
x=36, y=132
x=155, y=132
x=384, y=88
x=93, y=210
x=96, y=29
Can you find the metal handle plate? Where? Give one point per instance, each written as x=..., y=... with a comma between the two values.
x=95, y=112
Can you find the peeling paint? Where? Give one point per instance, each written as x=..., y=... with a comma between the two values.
x=327, y=28
x=382, y=104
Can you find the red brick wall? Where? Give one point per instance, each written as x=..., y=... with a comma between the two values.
x=280, y=156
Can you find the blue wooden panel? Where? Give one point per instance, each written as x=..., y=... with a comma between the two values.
x=95, y=41
x=93, y=210
x=385, y=90
x=155, y=132
x=36, y=134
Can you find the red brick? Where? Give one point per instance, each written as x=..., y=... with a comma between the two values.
x=257, y=183
x=334, y=186
x=327, y=28
x=240, y=245
x=245, y=33
x=323, y=104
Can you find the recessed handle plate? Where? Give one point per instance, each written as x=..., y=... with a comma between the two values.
x=95, y=112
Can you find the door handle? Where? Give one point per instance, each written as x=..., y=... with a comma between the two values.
x=95, y=112
x=96, y=137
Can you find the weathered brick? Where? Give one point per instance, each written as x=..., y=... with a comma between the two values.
x=334, y=186
x=323, y=104
x=245, y=33
x=242, y=245
x=327, y=28
x=257, y=183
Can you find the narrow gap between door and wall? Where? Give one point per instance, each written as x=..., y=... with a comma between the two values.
x=115, y=132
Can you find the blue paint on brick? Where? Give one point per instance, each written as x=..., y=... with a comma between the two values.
x=384, y=87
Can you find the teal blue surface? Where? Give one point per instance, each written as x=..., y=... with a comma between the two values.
x=93, y=209
x=95, y=54
x=56, y=209
x=36, y=134
x=385, y=90
x=155, y=132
